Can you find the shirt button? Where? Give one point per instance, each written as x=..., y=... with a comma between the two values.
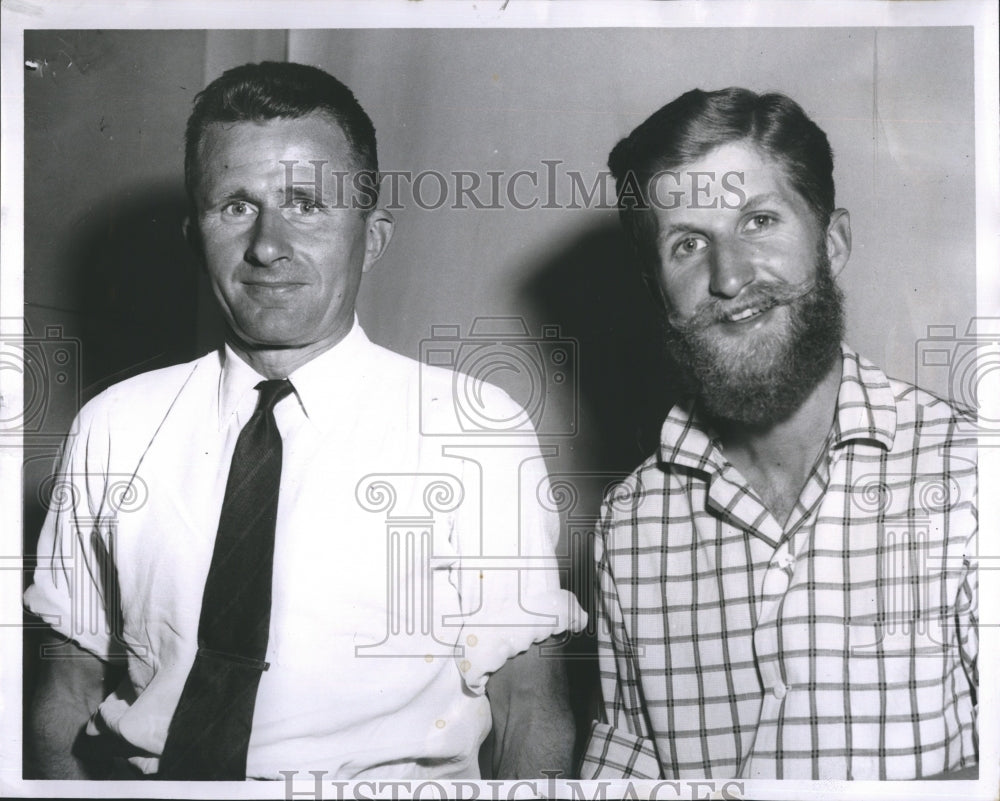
x=780, y=690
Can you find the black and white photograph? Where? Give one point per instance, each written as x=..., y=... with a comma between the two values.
x=500, y=400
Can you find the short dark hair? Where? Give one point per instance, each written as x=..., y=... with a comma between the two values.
x=280, y=90
x=687, y=128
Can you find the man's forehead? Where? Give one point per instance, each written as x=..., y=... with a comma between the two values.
x=728, y=178
x=313, y=137
x=736, y=160
x=739, y=154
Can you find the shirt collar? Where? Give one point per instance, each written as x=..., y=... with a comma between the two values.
x=321, y=382
x=688, y=439
x=866, y=410
x=238, y=378
x=317, y=383
x=866, y=404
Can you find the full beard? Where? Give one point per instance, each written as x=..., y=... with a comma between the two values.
x=761, y=380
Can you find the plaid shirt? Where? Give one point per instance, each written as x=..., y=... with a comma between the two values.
x=840, y=647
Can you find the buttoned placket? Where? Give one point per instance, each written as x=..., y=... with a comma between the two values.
x=779, y=574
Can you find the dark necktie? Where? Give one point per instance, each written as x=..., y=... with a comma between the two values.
x=210, y=730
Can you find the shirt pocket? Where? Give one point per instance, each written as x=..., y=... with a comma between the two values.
x=874, y=637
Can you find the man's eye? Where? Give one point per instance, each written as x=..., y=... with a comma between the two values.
x=238, y=208
x=758, y=222
x=691, y=244
x=308, y=206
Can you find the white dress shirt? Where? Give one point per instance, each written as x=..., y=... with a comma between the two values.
x=387, y=615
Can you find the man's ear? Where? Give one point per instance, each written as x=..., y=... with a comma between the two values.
x=378, y=231
x=838, y=240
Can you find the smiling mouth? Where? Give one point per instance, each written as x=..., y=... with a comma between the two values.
x=272, y=285
x=746, y=314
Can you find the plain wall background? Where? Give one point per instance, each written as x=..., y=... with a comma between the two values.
x=104, y=119
x=896, y=104
x=104, y=199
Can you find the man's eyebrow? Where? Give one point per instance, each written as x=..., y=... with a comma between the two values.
x=238, y=193
x=760, y=200
x=281, y=192
x=678, y=228
x=299, y=190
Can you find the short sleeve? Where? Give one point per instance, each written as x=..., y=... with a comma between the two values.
x=506, y=540
x=74, y=572
x=620, y=746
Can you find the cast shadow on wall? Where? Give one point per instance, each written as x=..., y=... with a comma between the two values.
x=591, y=288
x=140, y=289
x=132, y=289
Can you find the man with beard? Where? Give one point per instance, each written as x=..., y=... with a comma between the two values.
x=787, y=587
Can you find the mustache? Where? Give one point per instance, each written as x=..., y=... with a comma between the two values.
x=763, y=296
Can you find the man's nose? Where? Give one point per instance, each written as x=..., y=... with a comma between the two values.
x=269, y=240
x=732, y=269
